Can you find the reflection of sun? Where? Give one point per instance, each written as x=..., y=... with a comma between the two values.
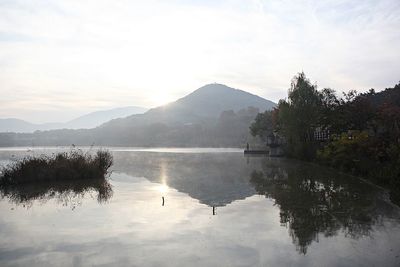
x=163, y=188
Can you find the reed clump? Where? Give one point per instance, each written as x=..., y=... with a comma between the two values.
x=74, y=165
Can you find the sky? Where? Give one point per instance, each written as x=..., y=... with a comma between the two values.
x=61, y=59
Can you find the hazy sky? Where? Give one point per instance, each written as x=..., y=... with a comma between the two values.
x=59, y=59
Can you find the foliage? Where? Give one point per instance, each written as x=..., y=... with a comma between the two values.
x=364, y=130
x=350, y=154
x=263, y=124
x=297, y=117
x=366, y=156
x=73, y=166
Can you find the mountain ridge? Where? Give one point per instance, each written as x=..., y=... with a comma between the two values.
x=190, y=108
x=86, y=121
x=214, y=115
x=210, y=93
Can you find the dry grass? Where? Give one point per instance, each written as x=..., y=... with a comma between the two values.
x=66, y=166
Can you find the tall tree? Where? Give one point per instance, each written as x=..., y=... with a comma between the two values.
x=263, y=124
x=299, y=116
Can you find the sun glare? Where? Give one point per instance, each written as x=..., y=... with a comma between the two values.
x=163, y=188
x=160, y=99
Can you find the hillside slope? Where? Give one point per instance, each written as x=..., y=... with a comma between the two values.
x=87, y=121
x=214, y=115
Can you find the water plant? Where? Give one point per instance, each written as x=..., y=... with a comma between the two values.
x=73, y=165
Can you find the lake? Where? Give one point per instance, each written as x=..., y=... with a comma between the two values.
x=201, y=207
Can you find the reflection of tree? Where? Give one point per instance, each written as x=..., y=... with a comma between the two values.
x=315, y=201
x=67, y=193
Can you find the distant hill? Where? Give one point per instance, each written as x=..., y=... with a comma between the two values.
x=97, y=118
x=214, y=115
x=210, y=100
x=204, y=104
x=16, y=125
x=87, y=121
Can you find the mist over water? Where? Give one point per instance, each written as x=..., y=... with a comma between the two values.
x=199, y=207
x=164, y=133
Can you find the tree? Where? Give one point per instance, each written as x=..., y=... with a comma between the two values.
x=263, y=125
x=329, y=114
x=299, y=116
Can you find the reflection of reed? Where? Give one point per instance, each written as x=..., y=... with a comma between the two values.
x=68, y=193
x=65, y=176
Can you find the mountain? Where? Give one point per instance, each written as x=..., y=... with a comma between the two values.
x=97, y=118
x=204, y=104
x=210, y=100
x=16, y=125
x=87, y=121
x=214, y=115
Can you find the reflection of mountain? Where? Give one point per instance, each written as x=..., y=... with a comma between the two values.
x=312, y=200
x=67, y=193
x=315, y=200
x=214, y=179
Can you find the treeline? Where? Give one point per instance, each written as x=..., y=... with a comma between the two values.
x=229, y=129
x=356, y=133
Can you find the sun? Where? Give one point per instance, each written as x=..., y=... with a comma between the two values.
x=161, y=98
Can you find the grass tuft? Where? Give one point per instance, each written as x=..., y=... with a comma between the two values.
x=65, y=166
x=66, y=176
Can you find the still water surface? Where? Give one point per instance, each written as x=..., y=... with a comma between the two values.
x=201, y=207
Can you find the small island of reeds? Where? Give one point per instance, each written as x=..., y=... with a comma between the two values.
x=63, y=174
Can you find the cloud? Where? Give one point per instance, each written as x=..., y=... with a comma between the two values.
x=114, y=53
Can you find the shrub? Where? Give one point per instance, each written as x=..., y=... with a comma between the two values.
x=366, y=156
